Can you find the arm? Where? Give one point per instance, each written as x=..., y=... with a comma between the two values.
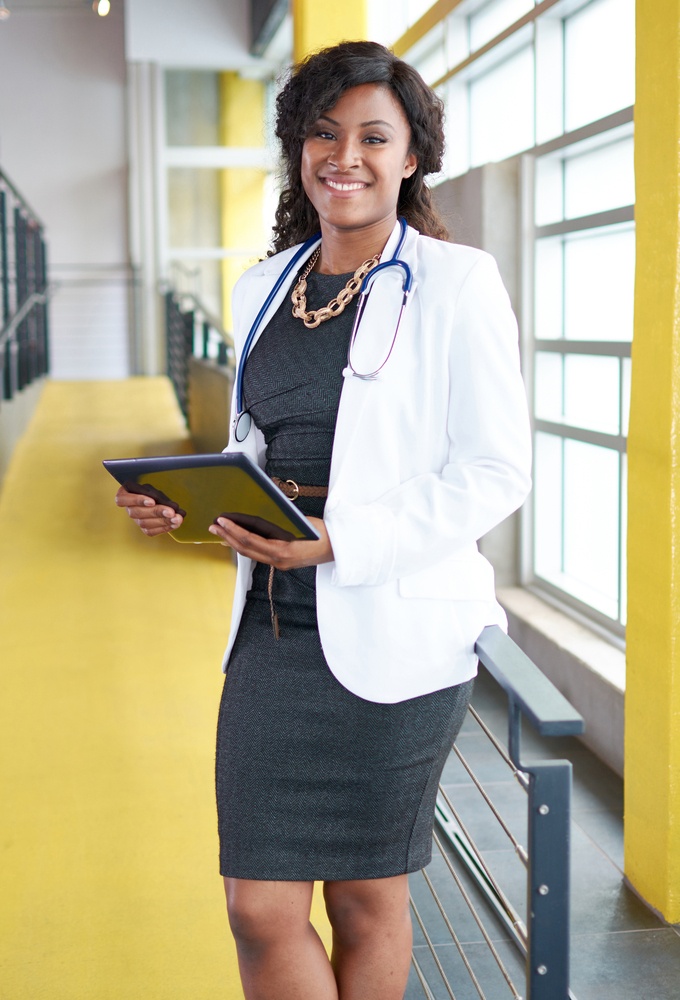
x=486, y=475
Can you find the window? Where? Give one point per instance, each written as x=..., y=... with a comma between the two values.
x=556, y=83
x=583, y=326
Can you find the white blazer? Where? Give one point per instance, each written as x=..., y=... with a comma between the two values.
x=426, y=458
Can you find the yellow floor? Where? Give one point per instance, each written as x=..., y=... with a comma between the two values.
x=109, y=663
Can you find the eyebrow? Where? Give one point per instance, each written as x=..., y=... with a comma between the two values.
x=377, y=121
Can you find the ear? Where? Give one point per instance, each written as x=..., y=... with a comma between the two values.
x=410, y=165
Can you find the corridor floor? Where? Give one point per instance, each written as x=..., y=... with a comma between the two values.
x=110, y=645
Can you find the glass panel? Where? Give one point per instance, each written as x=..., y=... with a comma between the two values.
x=548, y=292
x=456, y=125
x=599, y=61
x=549, y=190
x=549, y=386
x=202, y=278
x=580, y=390
x=624, y=539
x=599, y=274
x=591, y=392
x=601, y=179
x=591, y=525
x=549, y=78
x=625, y=395
x=431, y=60
x=192, y=108
x=547, y=498
x=194, y=214
x=494, y=18
x=456, y=39
x=502, y=109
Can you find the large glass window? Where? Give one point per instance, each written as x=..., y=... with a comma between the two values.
x=556, y=82
x=583, y=327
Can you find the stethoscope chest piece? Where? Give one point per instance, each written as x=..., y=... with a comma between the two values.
x=242, y=425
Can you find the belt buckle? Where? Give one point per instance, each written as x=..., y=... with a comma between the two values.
x=294, y=485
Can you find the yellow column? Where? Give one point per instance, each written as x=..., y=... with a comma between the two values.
x=242, y=111
x=318, y=23
x=652, y=786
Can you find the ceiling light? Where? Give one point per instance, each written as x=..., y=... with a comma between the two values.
x=4, y=12
x=101, y=7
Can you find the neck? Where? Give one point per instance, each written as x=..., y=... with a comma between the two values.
x=344, y=250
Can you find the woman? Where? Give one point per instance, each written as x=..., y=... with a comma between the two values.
x=350, y=660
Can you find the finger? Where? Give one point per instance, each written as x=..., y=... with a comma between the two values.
x=125, y=499
x=247, y=543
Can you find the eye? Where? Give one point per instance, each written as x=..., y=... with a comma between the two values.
x=322, y=133
x=375, y=140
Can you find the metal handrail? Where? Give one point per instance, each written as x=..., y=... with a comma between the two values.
x=39, y=298
x=19, y=197
x=544, y=942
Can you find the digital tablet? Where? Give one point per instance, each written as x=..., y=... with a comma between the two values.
x=205, y=487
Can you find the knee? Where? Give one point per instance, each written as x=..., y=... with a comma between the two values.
x=258, y=919
x=357, y=914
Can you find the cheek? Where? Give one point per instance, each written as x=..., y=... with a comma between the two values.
x=306, y=171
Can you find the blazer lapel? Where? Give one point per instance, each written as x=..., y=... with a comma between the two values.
x=372, y=345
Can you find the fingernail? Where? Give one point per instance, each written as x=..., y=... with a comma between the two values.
x=169, y=513
x=212, y=529
x=174, y=521
x=148, y=501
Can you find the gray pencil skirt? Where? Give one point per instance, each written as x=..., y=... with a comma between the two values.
x=313, y=782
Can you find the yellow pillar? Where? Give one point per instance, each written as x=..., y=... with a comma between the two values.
x=242, y=111
x=652, y=761
x=318, y=23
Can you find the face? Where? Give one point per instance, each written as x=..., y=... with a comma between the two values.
x=355, y=157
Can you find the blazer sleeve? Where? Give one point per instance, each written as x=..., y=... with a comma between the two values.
x=487, y=476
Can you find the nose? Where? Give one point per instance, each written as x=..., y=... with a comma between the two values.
x=345, y=154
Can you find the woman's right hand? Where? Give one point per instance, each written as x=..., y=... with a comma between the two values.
x=153, y=518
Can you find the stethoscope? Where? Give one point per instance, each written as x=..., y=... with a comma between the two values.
x=243, y=421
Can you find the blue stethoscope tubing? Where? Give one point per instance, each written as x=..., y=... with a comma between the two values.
x=243, y=420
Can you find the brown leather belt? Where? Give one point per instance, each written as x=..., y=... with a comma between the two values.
x=293, y=490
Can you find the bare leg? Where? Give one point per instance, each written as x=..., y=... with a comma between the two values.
x=280, y=955
x=372, y=937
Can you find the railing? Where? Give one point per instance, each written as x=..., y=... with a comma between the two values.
x=543, y=940
x=24, y=291
x=191, y=331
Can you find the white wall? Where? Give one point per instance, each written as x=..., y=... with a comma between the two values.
x=62, y=143
x=199, y=34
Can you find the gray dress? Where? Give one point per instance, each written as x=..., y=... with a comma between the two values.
x=313, y=782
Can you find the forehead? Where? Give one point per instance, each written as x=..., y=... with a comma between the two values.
x=368, y=102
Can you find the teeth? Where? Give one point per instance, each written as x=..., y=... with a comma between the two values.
x=356, y=186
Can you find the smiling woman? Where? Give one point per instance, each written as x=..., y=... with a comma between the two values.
x=350, y=659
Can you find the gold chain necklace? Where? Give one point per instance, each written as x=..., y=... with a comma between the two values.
x=314, y=317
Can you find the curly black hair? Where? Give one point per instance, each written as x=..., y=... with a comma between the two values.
x=315, y=86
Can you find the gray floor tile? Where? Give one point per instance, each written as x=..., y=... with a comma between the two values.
x=600, y=900
x=637, y=965
x=483, y=964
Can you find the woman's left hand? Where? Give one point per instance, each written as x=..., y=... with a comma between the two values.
x=273, y=551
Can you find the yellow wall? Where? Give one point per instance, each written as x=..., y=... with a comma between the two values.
x=242, y=112
x=317, y=23
x=652, y=762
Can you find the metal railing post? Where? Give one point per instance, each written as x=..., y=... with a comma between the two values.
x=24, y=292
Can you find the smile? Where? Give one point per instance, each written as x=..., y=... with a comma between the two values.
x=344, y=185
